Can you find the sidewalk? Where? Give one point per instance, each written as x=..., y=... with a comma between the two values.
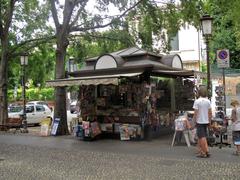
x=29, y=156
x=156, y=147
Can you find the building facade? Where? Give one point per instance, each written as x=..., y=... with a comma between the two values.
x=189, y=45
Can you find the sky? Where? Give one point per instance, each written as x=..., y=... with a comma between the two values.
x=112, y=10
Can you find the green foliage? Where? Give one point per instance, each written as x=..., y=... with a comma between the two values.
x=191, y=11
x=39, y=69
x=97, y=43
x=234, y=14
x=161, y=21
x=46, y=94
x=203, y=67
x=226, y=28
x=32, y=94
x=28, y=23
x=42, y=63
x=30, y=19
x=14, y=73
x=145, y=32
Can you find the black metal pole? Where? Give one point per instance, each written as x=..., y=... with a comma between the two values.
x=25, y=130
x=208, y=70
x=224, y=90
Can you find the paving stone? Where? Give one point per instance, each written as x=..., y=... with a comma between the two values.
x=55, y=158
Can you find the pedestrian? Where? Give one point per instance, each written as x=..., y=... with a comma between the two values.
x=202, y=117
x=236, y=125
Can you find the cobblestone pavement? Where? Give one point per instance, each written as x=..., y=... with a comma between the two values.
x=26, y=156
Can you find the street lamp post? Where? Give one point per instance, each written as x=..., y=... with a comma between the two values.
x=71, y=63
x=24, y=62
x=206, y=24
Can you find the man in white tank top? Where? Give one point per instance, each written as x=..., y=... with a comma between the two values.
x=202, y=117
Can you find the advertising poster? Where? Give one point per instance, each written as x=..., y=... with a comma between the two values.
x=55, y=126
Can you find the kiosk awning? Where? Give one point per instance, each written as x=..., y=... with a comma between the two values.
x=90, y=80
x=182, y=73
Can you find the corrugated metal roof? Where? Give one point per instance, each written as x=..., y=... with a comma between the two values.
x=146, y=62
x=112, y=71
x=132, y=51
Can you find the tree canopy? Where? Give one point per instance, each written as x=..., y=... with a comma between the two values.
x=19, y=32
x=225, y=28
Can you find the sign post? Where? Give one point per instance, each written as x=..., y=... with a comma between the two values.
x=223, y=61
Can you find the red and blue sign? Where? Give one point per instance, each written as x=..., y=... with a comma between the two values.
x=223, y=58
x=223, y=54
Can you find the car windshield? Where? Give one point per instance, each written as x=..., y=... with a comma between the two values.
x=14, y=109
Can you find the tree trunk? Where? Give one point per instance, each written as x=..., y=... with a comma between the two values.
x=60, y=92
x=60, y=110
x=6, y=19
x=3, y=84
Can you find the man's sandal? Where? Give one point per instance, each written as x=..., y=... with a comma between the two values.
x=236, y=153
x=202, y=156
x=208, y=154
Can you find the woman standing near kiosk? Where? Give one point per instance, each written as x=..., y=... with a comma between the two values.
x=236, y=125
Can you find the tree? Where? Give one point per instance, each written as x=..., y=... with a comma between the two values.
x=18, y=32
x=5, y=22
x=225, y=28
x=155, y=23
x=42, y=63
x=75, y=18
x=97, y=43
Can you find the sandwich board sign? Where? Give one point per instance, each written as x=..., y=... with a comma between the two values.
x=55, y=126
x=223, y=60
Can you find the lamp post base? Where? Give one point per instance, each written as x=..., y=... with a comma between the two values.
x=25, y=130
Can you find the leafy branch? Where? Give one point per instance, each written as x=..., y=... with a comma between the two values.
x=79, y=28
x=29, y=44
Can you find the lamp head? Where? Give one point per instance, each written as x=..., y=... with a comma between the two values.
x=206, y=25
x=24, y=59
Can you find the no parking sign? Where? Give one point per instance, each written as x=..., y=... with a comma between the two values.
x=223, y=58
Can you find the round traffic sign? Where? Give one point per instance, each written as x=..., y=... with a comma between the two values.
x=223, y=54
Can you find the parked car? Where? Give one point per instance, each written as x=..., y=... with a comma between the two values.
x=14, y=108
x=39, y=102
x=35, y=112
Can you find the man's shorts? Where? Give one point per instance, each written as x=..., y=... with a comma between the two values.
x=236, y=137
x=202, y=130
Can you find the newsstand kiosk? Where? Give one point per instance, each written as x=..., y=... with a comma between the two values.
x=131, y=94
